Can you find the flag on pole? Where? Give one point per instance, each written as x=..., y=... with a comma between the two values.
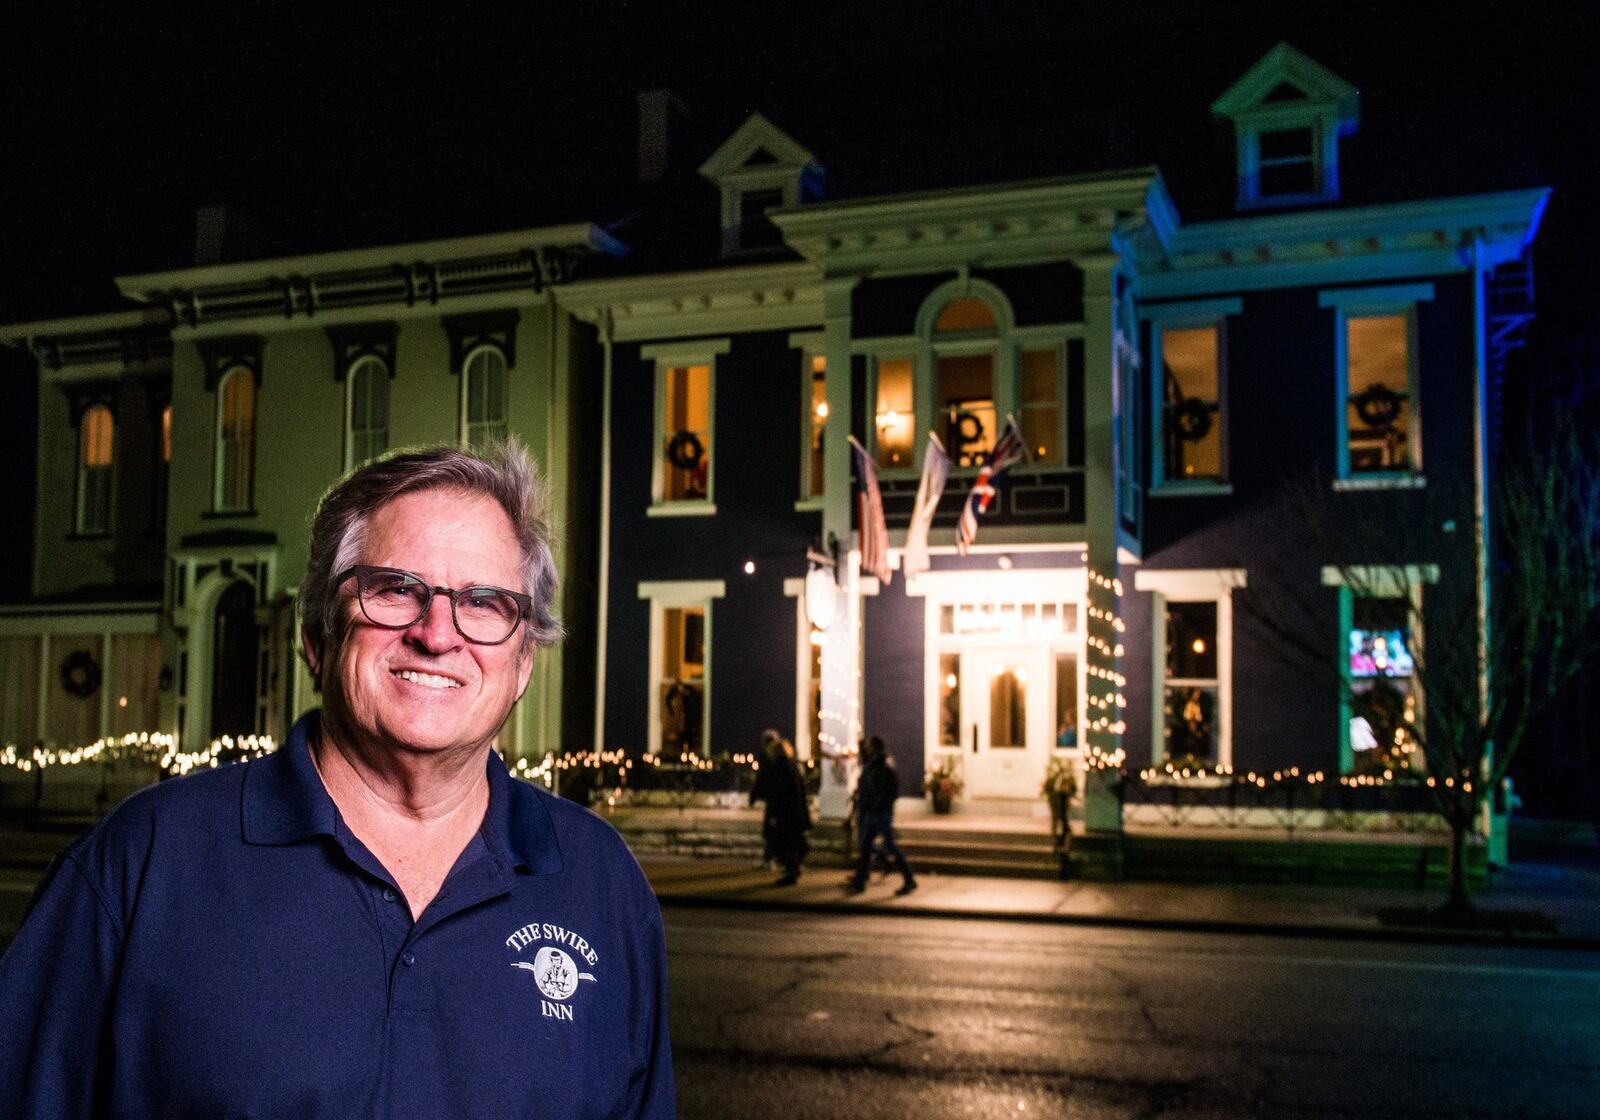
x=935, y=470
x=869, y=515
x=1008, y=451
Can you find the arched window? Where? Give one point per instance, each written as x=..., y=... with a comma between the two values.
x=96, y=443
x=967, y=415
x=483, y=397
x=236, y=440
x=367, y=404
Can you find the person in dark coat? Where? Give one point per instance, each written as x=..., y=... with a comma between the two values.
x=787, y=816
x=876, y=791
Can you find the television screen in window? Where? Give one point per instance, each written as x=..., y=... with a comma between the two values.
x=1380, y=653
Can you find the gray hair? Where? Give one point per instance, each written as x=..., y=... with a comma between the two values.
x=503, y=471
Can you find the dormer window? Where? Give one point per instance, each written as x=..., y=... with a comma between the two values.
x=1289, y=114
x=759, y=169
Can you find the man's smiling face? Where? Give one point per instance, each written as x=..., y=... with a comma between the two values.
x=426, y=688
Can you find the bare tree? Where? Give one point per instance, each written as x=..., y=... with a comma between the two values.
x=1460, y=649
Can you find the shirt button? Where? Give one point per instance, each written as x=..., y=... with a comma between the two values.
x=389, y=895
x=409, y=959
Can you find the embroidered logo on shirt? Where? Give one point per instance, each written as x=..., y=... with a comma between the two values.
x=556, y=971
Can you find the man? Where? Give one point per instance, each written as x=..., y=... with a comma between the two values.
x=376, y=920
x=876, y=791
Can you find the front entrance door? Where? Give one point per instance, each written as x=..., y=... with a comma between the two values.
x=1006, y=695
x=234, y=646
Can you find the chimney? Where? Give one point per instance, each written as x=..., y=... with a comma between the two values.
x=657, y=107
x=223, y=234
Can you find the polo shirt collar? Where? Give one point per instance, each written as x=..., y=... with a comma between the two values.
x=285, y=802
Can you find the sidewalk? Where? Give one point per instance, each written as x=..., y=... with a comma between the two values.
x=1548, y=905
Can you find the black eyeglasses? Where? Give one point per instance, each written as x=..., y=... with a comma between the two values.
x=395, y=599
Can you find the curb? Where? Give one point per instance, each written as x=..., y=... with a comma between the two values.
x=1423, y=936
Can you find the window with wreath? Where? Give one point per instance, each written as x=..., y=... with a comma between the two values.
x=964, y=381
x=1380, y=405
x=1191, y=404
x=483, y=397
x=236, y=441
x=367, y=407
x=96, y=447
x=686, y=433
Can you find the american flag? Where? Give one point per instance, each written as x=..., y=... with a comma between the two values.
x=1008, y=451
x=869, y=509
x=935, y=470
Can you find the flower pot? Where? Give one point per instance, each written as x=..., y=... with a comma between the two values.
x=941, y=800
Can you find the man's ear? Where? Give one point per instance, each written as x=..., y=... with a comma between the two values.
x=313, y=654
x=525, y=670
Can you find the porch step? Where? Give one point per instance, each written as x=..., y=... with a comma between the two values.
x=1005, y=856
x=1193, y=859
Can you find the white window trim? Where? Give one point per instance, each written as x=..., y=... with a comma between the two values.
x=1191, y=585
x=466, y=364
x=1388, y=299
x=672, y=355
x=1188, y=315
x=663, y=595
x=349, y=405
x=795, y=588
x=217, y=503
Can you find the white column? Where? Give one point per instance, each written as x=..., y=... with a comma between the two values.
x=841, y=645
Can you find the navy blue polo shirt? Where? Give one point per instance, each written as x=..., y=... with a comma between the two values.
x=222, y=945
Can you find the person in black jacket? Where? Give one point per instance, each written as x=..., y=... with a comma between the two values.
x=876, y=791
x=787, y=816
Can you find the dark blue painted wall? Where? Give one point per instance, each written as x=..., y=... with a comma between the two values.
x=892, y=706
x=757, y=479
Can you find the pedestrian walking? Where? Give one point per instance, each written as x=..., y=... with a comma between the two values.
x=876, y=791
x=787, y=817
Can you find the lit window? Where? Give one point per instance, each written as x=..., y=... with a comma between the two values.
x=965, y=314
x=681, y=673
x=896, y=414
x=686, y=433
x=236, y=441
x=1384, y=687
x=949, y=699
x=1190, y=689
x=1039, y=405
x=964, y=397
x=96, y=439
x=483, y=390
x=1191, y=408
x=1066, y=701
x=161, y=476
x=817, y=372
x=1380, y=410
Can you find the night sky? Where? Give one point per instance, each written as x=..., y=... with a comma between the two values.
x=381, y=124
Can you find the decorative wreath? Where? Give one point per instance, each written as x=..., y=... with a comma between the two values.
x=684, y=450
x=1193, y=418
x=80, y=674
x=1377, y=405
x=967, y=427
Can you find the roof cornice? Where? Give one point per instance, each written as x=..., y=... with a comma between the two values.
x=1439, y=232
x=394, y=275
x=681, y=304
x=115, y=343
x=984, y=224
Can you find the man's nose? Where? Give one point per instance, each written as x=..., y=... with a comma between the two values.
x=435, y=631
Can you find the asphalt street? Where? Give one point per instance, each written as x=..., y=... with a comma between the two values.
x=853, y=1017
x=829, y=1016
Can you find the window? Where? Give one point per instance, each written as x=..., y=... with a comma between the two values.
x=367, y=408
x=1189, y=695
x=1039, y=405
x=686, y=450
x=1379, y=420
x=236, y=441
x=950, y=700
x=756, y=230
x=1384, y=687
x=1188, y=393
x=1377, y=393
x=1066, y=701
x=1287, y=162
x=684, y=475
x=896, y=415
x=96, y=444
x=1192, y=663
x=161, y=476
x=813, y=477
x=483, y=397
x=680, y=664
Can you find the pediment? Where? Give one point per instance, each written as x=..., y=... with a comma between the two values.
x=1284, y=77
x=757, y=144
